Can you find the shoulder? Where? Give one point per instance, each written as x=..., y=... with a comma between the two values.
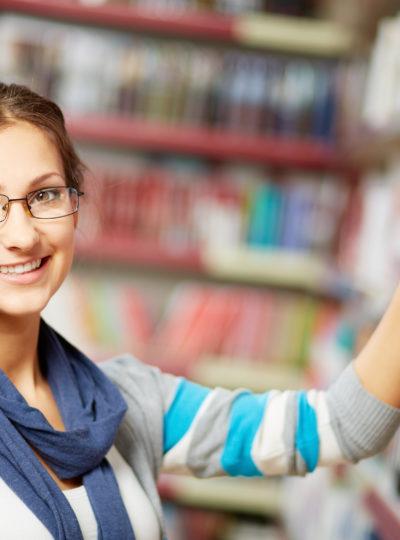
x=140, y=435
x=140, y=383
x=126, y=369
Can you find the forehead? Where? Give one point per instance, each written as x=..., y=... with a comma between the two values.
x=26, y=152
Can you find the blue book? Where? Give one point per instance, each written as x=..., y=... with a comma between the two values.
x=324, y=110
x=265, y=216
x=298, y=206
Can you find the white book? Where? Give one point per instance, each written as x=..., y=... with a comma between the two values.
x=382, y=103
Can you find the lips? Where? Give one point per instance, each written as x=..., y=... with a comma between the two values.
x=22, y=268
x=24, y=273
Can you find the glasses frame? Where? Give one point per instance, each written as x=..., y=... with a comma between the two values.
x=28, y=206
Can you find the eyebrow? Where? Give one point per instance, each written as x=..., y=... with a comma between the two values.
x=38, y=179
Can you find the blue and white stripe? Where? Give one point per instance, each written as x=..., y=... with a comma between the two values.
x=214, y=432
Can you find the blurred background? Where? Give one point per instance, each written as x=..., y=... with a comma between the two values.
x=241, y=220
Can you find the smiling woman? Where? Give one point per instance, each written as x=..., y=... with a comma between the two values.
x=81, y=447
x=28, y=153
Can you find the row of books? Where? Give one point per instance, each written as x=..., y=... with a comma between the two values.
x=227, y=206
x=178, y=205
x=93, y=71
x=293, y=7
x=245, y=325
x=370, y=250
x=237, y=323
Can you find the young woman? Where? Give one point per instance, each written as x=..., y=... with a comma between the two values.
x=81, y=447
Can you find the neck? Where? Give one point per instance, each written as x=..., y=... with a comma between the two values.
x=18, y=351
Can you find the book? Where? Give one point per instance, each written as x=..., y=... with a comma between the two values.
x=92, y=71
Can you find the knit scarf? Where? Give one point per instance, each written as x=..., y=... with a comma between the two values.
x=92, y=409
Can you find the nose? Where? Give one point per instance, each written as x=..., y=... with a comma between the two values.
x=18, y=232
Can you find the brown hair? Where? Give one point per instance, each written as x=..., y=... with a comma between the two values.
x=19, y=103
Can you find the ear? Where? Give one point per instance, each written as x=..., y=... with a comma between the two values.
x=76, y=219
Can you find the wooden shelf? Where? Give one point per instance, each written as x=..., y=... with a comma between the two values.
x=294, y=35
x=136, y=252
x=277, y=267
x=191, y=25
x=256, y=496
x=235, y=373
x=206, y=143
x=289, y=270
x=289, y=34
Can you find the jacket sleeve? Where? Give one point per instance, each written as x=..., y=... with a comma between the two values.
x=185, y=427
x=215, y=432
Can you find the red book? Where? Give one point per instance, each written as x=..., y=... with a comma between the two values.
x=207, y=332
x=184, y=308
x=136, y=319
x=228, y=345
x=348, y=237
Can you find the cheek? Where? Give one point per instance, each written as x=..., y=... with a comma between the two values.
x=61, y=234
x=62, y=241
x=67, y=239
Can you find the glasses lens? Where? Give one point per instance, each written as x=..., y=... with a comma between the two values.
x=50, y=203
x=3, y=207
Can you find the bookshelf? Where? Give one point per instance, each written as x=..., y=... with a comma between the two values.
x=211, y=144
x=315, y=37
x=281, y=268
x=130, y=251
x=275, y=268
x=375, y=151
x=210, y=371
x=318, y=39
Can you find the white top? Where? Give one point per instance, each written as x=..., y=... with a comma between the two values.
x=18, y=521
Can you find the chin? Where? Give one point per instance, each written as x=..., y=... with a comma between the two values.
x=27, y=304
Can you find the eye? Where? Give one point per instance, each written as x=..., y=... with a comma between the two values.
x=3, y=206
x=44, y=196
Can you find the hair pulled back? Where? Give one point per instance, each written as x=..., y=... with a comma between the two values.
x=19, y=103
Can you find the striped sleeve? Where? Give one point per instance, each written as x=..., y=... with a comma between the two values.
x=218, y=432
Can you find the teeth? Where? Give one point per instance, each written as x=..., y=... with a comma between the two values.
x=20, y=268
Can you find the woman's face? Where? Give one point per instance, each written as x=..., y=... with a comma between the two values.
x=30, y=161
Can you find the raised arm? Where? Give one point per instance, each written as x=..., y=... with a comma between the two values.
x=213, y=432
x=378, y=364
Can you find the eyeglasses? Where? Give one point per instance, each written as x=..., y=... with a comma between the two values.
x=46, y=203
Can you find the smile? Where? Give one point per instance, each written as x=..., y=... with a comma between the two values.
x=21, y=268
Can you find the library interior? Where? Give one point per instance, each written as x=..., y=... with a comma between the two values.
x=242, y=161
